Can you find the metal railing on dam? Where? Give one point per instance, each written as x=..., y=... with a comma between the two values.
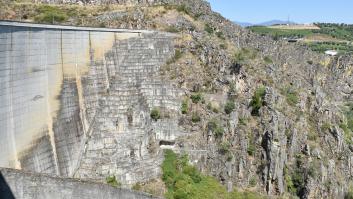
x=57, y=83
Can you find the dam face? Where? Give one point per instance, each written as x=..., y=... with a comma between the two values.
x=76, y=101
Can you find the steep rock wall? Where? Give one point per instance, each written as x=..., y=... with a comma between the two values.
x=76, y=102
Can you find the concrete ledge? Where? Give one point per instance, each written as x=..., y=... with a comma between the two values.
x=22, y=185
x=64, y=27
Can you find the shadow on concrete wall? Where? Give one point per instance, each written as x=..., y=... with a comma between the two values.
x=5, y=191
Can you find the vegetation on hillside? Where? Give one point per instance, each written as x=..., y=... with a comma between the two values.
x=184, y=181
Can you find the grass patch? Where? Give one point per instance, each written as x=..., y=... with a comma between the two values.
x=50, y=14
x=111, y=180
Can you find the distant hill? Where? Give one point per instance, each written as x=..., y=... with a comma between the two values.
x=243, y=24
x=266, y=23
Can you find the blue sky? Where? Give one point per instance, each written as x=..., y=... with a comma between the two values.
x=301, y=11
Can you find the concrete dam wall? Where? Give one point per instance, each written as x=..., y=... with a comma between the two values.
x=24, y=185
x=76, y=101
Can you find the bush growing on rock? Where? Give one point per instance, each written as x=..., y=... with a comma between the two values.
x=349, y=194
x=257, y=100
x=268, y=60
x=185, y=181
x=219, y=131
x=183, y=9
x=177, y=55
x=155, y=114
x=209, y=29
x=229, y=107
x=243, y=55
x=111, y=180
x=291, y=96
x=220, y=35
x=184, y=107
x=224, y=148
x=214, y=126
x=195, y=118
x=196, y=98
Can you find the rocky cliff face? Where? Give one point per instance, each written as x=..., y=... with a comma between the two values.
x=289, y=133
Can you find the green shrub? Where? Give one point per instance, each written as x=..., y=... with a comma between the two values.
x=185, y=181
x=219, y=131
x=111, y=180
x=137, y=187
x=184, y=107
x=251, y=149
x=155, y=114
x=177, y=55
x=196, y=98
x=212, y=108
x=172, y=29
x=229, y=107
x=257, y=100
x=224, y=148
x=298, y=180
x=290, y=186
x=349, y=194
x=242, y=121
x=243, y=55
x=312, y=172
x=312, y=136
x=209, y=106
x=214, y=126
x=223, y=46
x=348, y=111
x=220, y=35
x=325, y=127
x=310, y=62
x=350, y=124
x=268, y=60
x=347, y=133
x=183, y=8
x=195, y=118
x=291, y=96
x=209, y=28
x=252, y=181
x=50, y=14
